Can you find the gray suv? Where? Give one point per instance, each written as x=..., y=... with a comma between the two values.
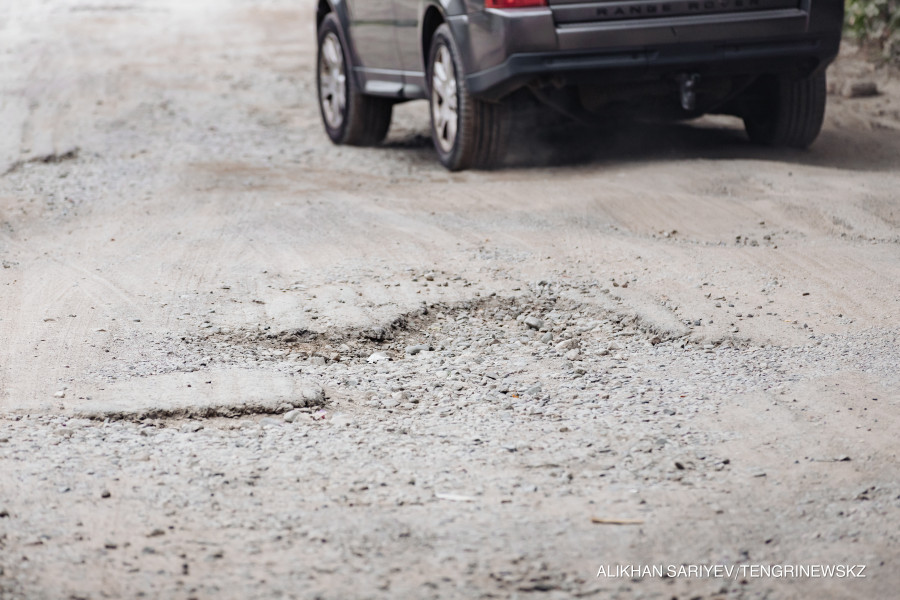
x=477, y=60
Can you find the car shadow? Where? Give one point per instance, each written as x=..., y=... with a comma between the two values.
x=576, y=145
x=874, y=150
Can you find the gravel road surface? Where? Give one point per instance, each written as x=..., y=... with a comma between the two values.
x=240, y=362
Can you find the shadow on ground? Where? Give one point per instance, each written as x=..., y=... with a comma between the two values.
x=581, y=145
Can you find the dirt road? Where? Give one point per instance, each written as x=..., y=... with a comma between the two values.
x=239, y=362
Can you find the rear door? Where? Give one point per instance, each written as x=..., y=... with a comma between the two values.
x=408, y=43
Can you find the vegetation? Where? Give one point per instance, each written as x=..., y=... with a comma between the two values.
x=876, y=23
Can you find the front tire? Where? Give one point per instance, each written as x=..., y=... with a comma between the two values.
x=349, y=116
x=467, y=132
x=787, y=112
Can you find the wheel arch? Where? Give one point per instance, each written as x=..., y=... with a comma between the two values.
x=432, y=18
x=339, y=8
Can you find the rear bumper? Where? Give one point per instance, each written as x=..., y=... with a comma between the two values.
x=504, y=50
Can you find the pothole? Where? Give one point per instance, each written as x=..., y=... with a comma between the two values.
x=428, y=326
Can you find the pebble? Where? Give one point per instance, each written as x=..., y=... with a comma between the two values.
x=292, y=415
x=376, y=334
x=534, y=322
x=567, y=344
x=547, y=338
x=413, y=350
x=312, y=395
x=860, y=89
x=378, y=357
x=317, y=361
x=572, y=354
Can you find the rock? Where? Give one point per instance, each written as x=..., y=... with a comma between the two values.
x=429, y=276
x=105, y=494
x=547, y=338
x=534, y=390
x=413, y=350
x=572, y=354
x=613, y=346
x=191, y=427
x=534, y=322
x=316, y=361
x=59, y=394
x=378, y=357
x=860, y=89
x=390, y=403
x=312, y=395
x=655, y=340
x=567, y=344
x=341, y=420
x=292, y=416
x=376, y=334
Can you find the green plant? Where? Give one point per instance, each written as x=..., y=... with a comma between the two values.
x=876, y=22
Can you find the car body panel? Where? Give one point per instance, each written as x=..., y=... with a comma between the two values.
x=574, y=40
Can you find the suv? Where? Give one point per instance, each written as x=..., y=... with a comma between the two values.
x=476, y=60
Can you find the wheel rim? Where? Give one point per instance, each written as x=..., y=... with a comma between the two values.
x=332, y=81
x=444, y=101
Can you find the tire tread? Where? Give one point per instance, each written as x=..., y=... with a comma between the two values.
x=795, y=115
x=483, y=129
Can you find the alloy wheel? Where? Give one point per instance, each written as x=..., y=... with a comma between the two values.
x=444, y=99
x=332, y=81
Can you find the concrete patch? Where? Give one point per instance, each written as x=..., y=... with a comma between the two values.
x=198, y=394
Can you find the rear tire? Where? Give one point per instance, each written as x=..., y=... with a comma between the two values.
x=785, y=111
x=467, y=132
x=349, y=116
